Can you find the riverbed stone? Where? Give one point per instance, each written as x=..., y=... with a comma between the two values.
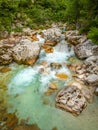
x=92, y=79
x=11, y=121
x=54, y=65
x=52, y=34
x=72, y=33
x=5, y=56
x=26, y=52
x=28, y=31
x=5, y=69
x=84, y=50
x=74, y=39
x=71, y=99
x=47, y=48
x=34, y=37
x=92, y=61
x=88, y=93
x=62, y=76
x=53, y=86
x=50, y=43
x=6, y=46
x=27, y=127
x=96, y=91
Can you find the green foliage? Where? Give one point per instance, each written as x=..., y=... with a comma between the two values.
x=32, y=14
x=72, y=10
x=93, y=34
x=37, y=13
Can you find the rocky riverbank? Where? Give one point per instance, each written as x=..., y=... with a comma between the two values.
x=28, y=47
x=86, y=74
x=87, y=51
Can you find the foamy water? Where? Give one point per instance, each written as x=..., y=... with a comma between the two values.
x=21, y=80
x=26, y=76
x=33, y=105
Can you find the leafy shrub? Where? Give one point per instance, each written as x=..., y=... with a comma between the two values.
x=93, y=34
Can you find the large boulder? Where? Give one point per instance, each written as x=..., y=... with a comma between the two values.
x=84, y=50
x=93, y=60
x=71, y=99
x=26, y=51
x=92, y=79
x=95, y=50
x=92, y=65
x=5, y=56
x=74, y=37
x=52, y=34
x=6, y=46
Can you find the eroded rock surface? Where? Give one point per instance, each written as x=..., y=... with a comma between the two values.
x=92, y=61
x=6, y=50
x=52, y=34
x=74, y=38
x=71, y=99
x=92, y=79
x=84, y=50
x=26, y=52
x=88, y=72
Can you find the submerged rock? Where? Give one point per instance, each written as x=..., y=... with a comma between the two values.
x=53, y=86
x=26, y=52
x=62, y=76
x=5, y=69
x=96, y=91
x=88, y=93
x=11, y=121
x=71, y=99
x=49, y=92
x=27, y=127
x=55, y=65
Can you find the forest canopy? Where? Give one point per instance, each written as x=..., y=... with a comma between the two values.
x=15, y=14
